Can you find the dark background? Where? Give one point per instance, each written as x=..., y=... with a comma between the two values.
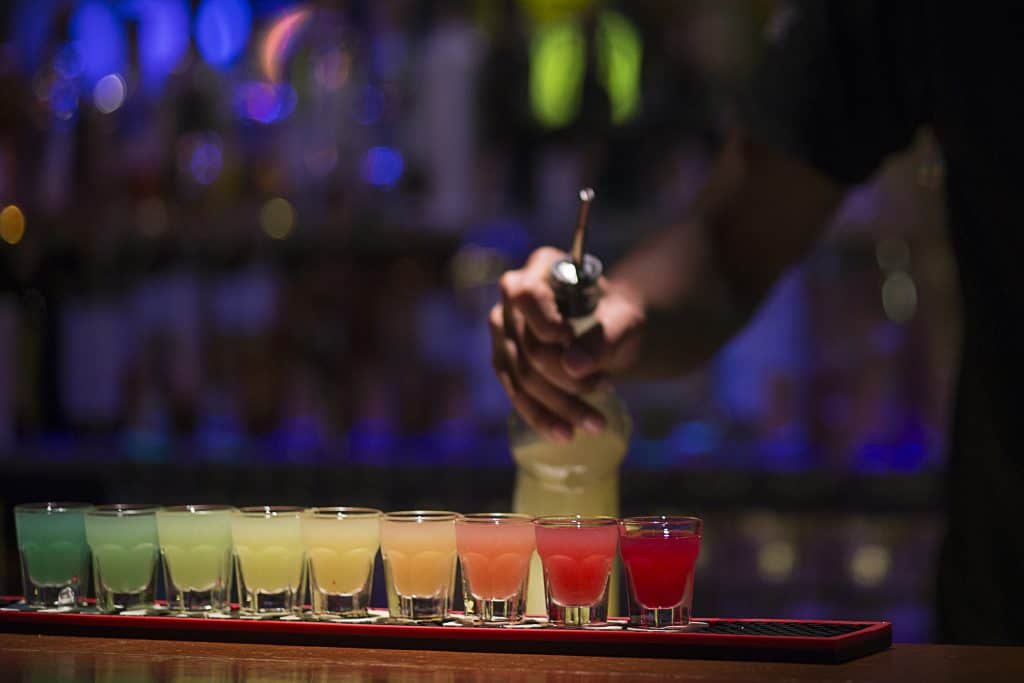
x=248, y=249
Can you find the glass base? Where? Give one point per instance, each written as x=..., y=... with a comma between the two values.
x=578, y=615
x=70, y=593
x=112, y=601
x=341, y=605
x=198, y=603
x=656, y=618
x=281, y=603
x=496, y=611
x=420, y=610
x=54, y=596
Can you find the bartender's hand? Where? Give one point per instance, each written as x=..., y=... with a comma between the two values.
x=543, y=369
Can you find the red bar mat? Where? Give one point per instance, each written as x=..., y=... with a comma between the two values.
x=740, y=639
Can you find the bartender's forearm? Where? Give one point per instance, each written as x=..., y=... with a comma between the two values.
x=700, y=280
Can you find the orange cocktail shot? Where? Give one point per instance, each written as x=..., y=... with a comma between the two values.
x=418, y=548
x=495, y=551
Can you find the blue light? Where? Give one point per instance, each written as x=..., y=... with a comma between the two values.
x=264, y=102
x=163, y=37
x=382, y=166
x=222, y=30
x=99, y=38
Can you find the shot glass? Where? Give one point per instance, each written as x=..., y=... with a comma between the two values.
x=268, y=559
x=340, y=544
x=659, y=554
x=577, y=554
x=495, y=551
x=418, y=547
x=125, y=555
x=54, y=553
x=195, y=541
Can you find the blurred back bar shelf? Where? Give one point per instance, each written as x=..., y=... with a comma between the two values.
x=256, y=481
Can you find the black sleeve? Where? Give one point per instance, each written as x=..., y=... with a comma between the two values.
x=839, y=85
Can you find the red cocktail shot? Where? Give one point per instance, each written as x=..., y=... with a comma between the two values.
x=577, y=554
x=659, y=554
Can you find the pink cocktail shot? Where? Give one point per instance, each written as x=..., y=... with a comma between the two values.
x=660, y=554
x=577, y=554
x=495, y=551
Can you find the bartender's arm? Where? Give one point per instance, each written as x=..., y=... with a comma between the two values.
x=672, y=302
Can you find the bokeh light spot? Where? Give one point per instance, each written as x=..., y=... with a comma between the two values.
x=382, y=166
x=869, y=565
x=899, y=297
x=222, y=30
x=332, y=69
x=776, y=560
x=98, y=39
x=320, y=159
x=200, y=156
x=264, y=102
x=277, y=218
x=279, y=39
x=163, y=37
x=12, y=224
x=109, y=93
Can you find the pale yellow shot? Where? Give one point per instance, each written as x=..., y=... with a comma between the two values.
x=269, y=548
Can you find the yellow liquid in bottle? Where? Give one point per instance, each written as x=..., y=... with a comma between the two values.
x=580, y=477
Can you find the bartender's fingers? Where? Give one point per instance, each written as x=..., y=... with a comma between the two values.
x=565, y=406
x=547, y=360
x=505, y=360
x=612, y=345
x=528, y=291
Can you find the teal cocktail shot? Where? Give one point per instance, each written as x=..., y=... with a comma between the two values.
x=54, y=553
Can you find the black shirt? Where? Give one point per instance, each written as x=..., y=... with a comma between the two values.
x=845, y=84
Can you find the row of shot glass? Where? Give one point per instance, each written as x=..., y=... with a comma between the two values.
x=273, y=552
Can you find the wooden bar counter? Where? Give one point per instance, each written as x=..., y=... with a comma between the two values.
x=65, y=658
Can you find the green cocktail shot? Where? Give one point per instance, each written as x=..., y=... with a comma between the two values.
x=54, y=553
x=123, y=540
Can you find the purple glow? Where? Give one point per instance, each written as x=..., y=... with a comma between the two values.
x=265, y=103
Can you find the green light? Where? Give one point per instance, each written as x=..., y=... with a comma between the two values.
x=619, y=58
x=557, y=63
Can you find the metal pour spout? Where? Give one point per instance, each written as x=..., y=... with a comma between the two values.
x=579, y=235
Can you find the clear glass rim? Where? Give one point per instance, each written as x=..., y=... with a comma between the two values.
x=419, y=516
x=196, y=509
x=496, y=518
x=575, y=521
x=271, y=510
x=342, y=512
x=123, y=510
x=681, y=523
x=52, y=507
